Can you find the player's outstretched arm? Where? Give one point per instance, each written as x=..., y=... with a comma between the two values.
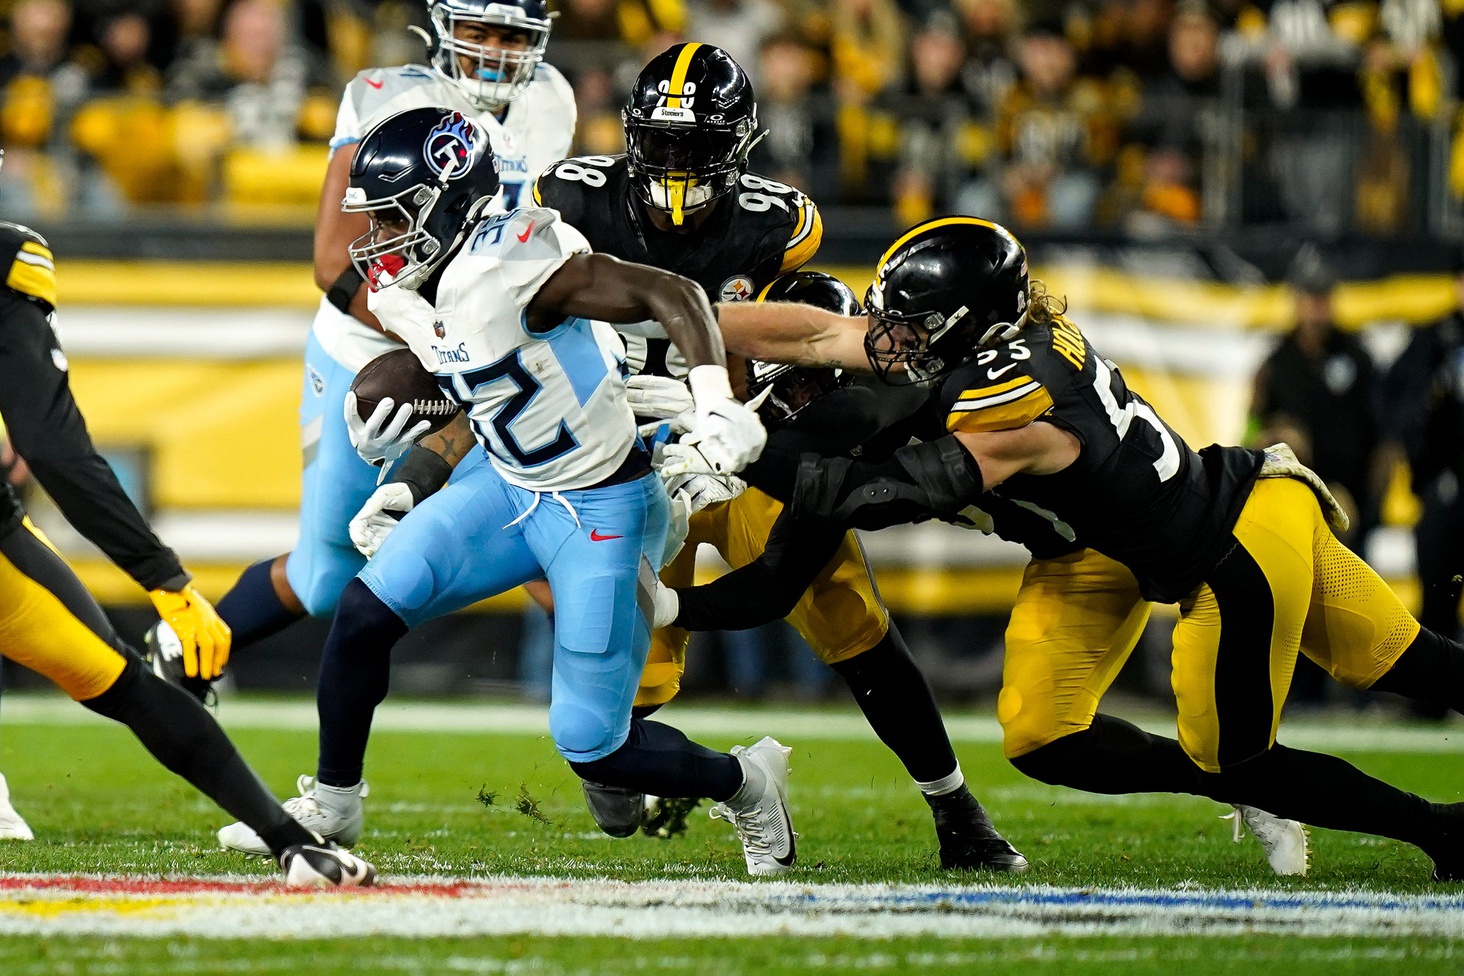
x=598, y=286
x=47, y=429
x=788, y=332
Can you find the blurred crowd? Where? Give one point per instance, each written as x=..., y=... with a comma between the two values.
x=1044, y=113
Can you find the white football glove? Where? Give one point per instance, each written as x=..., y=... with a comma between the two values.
x=668, y=605
x=658, y=397
x=379, y=516
x=728, y=433
x=383, y=437
x=702, y=490
x=1281, y=462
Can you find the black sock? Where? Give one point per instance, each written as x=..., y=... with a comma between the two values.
x=183, y=736
x=660, y=760
x=1430, y=670
x=1325, y=791
x=355, y=671
x=1113, y=756
x=252, y=608
x=898, y=704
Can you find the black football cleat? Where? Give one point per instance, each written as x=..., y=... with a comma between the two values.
x=968, y=841
x=325, y=865
x=162, y=649
x=616, y=810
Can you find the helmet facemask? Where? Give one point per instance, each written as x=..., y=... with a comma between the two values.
x=408, y=257
x=493, y=75
x=680, y=168
x=793, y=388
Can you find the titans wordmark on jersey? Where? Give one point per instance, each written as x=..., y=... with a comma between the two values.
x=549, y=408
x=536, y=130
x=755, y=233
x=1137, y=492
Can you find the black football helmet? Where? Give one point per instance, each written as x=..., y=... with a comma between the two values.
x=494, y=75
x=795, y=387
x=423, y=176
x=690, y=124
x=941, y=292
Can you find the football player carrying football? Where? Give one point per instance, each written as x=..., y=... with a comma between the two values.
x=486, y=62
x=52, y=625
x=682, y=199
x=1239, y=539
x=509, y=312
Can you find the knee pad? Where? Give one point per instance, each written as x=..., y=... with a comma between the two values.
x=581, y=734
x=362, y=612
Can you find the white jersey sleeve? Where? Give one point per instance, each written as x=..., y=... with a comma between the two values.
x=548, y=407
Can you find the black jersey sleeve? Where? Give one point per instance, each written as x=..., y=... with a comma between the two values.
x=47, y=430
x=30, y=268
x=565, y=185
x=768, y=588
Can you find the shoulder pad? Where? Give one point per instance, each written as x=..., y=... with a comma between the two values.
x=551, y=78
x=995, y=391
x=565, y=184
x=30, y=266
x=532, y=234
x=806, y=237
x=374, y=87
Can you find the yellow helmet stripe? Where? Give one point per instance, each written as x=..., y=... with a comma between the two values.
x=678, y=74
x=919, y=229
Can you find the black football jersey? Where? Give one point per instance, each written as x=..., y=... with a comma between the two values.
x=1137, y=492
x=46, y=428
x=759, y=231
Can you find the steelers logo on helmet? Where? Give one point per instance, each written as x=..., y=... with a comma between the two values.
x=452, y=147
x=689, y=125
x=944, y=290
x=736, y=289
x=793, y=388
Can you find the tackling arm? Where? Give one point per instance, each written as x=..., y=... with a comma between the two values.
x=788, y=332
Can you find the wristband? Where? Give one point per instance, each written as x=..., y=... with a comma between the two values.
x=709, y=383
x=423, y=472
x=343, y=290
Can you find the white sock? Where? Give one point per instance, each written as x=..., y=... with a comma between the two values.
x=754, y=783
x=944, y=785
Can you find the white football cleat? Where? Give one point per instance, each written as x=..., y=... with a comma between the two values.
x=335, y=813
x=759, y=810
x=325, y=865
x=12, y=824
x=1284, y=841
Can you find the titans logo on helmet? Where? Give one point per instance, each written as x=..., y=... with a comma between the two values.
x=452, y=143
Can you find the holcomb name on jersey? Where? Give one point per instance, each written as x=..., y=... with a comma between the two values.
x=548, y=407
x=537, y=131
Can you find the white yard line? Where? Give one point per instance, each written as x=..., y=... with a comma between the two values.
x=702, y=720
x=42, y=905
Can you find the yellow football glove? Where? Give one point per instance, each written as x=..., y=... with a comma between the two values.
x=202, y=632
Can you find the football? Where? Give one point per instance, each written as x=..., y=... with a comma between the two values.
x=399, y=374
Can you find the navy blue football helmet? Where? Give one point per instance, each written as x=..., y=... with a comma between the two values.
x=424, y=176
x=494, y=74
x=795, y=387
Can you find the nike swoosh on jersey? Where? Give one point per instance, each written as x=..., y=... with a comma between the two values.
x=994, y=373
x=375, y=84
x=524, y=237
x=595, y=536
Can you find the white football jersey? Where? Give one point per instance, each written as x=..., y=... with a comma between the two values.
x=536, y=131
x=550, y=407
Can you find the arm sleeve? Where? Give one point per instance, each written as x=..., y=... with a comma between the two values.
x=47, y=430
x=767, y=589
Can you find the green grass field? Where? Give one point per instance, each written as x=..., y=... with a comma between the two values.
x=475, y=803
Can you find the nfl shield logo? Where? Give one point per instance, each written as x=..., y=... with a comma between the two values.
x=438, y=329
